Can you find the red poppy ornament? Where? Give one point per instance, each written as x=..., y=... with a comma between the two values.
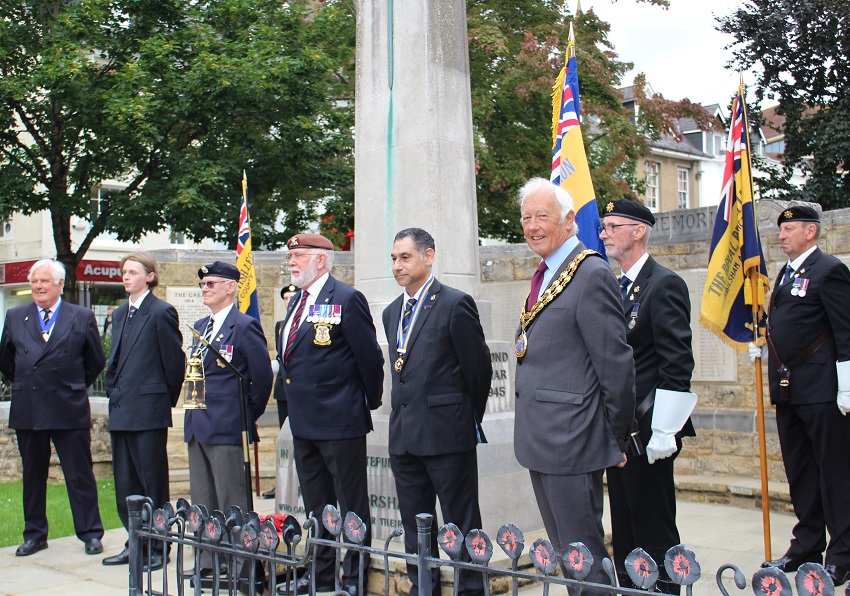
x=355, y=529
x=511, y=540
x=642, y=569
x=269, y=538
x=813, y=580
x=682, y=565
x=450, y=540
x=332, y=520
x=542, y=555
x=479, y=546
x=577, y=559
x=770, y=581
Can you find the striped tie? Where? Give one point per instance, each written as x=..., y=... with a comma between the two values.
x=405, y=319
x=293, y=326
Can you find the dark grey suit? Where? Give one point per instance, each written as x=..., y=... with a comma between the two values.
x=575, y=402
x=438, y=401
x=144, y=374
x=50, y=401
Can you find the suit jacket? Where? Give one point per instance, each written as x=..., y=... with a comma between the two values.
x=221, y=422
x=330, y=388
x=440, y=396
x=575, y=389
x=661, y=337
x=796, y=322
x=144, y=373
x=50, y=379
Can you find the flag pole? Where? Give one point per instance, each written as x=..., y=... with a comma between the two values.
x=754, y=288
x=256, y=446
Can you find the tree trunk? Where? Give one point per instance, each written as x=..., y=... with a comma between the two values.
x=62, y=239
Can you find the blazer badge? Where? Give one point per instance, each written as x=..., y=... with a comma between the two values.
x=323, y=334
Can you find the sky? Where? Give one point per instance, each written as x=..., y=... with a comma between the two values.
x=679, y=49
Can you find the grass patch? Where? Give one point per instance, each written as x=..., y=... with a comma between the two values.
x=58, y=510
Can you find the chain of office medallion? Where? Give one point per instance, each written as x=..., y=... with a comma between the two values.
x=555, y=288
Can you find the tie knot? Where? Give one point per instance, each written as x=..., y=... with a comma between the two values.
x=542, y=267
x=624, y=282
x=411, y=302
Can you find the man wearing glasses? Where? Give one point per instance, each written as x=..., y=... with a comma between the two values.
x=214, y=435
x=332, y=373
x=657, y=312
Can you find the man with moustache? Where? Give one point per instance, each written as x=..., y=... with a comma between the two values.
x=50, y=350
x=144, y=375
x=809, y=335
x=440, y=385
x=332, y=375
x=575, y=374
x=657, y=311
x=216, y=464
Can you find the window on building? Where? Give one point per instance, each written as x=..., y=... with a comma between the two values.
x=98, y=199
x=775, y=147
x=683, y=188
x=178, y=238
x=6, y=229
x=652, y=169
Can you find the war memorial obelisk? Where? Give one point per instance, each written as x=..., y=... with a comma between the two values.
x=415, y=167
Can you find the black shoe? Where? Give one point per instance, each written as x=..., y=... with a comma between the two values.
x=122, y=558
x=94, y=546
x=30, y=547
x=788, y=564
x=838, y=574
x=303, y=587
x=156, y=562
x=269, y=494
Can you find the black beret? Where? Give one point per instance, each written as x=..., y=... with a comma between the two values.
x=798, y=213
x=219, y=269
x=309, y=241
x=631, y=209
x=290, y=288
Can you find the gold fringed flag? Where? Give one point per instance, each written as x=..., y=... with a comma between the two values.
x=247, y=292
x=736, y=254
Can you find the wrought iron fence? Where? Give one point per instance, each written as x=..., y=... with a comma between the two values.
x=251, y=556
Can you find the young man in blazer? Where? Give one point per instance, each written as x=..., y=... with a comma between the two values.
x=657, y=312
x=144, y=375
x=575, y=394
x=441, y=373
x=51, y=352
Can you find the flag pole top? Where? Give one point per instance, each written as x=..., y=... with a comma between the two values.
x=571, y=43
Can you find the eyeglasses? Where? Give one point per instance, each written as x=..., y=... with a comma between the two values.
x=611, y=228
x=211, y=284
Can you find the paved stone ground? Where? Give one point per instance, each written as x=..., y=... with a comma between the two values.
x=717, y=533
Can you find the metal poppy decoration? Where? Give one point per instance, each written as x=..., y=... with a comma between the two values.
x=169, y=511
x=355, y=529
x=269, y=538
x=213, y=529
x=249, y=539
x=770, y=581
x=577, y=559
x=642, y=569
x=197, y=516
x=511, y=540
x=450, y=540
x=332, y=520
x=813, y=580
x=479, y=546
x=183, y=509
x=542, y=555
x=232, y=517
x=160, y=522
x=290, y=529
x=682, y=565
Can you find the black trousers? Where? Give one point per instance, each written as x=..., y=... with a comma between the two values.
x=419, y=482
x=643, y=513
x=140, y=467
x=815, y=443
x=334, y=472
x=74, y=450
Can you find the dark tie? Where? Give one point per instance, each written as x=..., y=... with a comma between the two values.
x=789, y=273
x=405, y=319
x=624, y=286
x=46, y=317
x=133, y=310
x=207, y=336
x=293, y=326
x=536, y=284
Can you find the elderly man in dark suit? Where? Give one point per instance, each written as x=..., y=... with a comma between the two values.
x=440, y=385
x=144, y=374
x=332, y=376
x=51, y=352
x=657, y=311
x=809, y=335
x=216, y=460
x=575, y=397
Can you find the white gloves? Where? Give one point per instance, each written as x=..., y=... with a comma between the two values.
x=275, y=366
x=755, y=351
x=843, y=398
x=669, y=414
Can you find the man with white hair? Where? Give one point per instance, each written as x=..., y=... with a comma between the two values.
x=51, y=352
x=575, y=376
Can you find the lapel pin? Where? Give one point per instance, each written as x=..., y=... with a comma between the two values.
x=434, y=297
x=637, y=289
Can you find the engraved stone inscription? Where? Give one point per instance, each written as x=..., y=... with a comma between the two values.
x=714, y=360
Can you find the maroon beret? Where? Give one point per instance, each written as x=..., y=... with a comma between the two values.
x=309, y=241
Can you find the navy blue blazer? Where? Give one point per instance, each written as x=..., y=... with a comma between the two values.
x=50, y=379
x=144, y=373
x=330, y=383
x=220, y=423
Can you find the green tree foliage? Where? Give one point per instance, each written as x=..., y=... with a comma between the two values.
x=516, y=51
x=800, y=50
x=174, y=98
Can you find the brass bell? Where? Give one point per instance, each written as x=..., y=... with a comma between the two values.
x=194, y=387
